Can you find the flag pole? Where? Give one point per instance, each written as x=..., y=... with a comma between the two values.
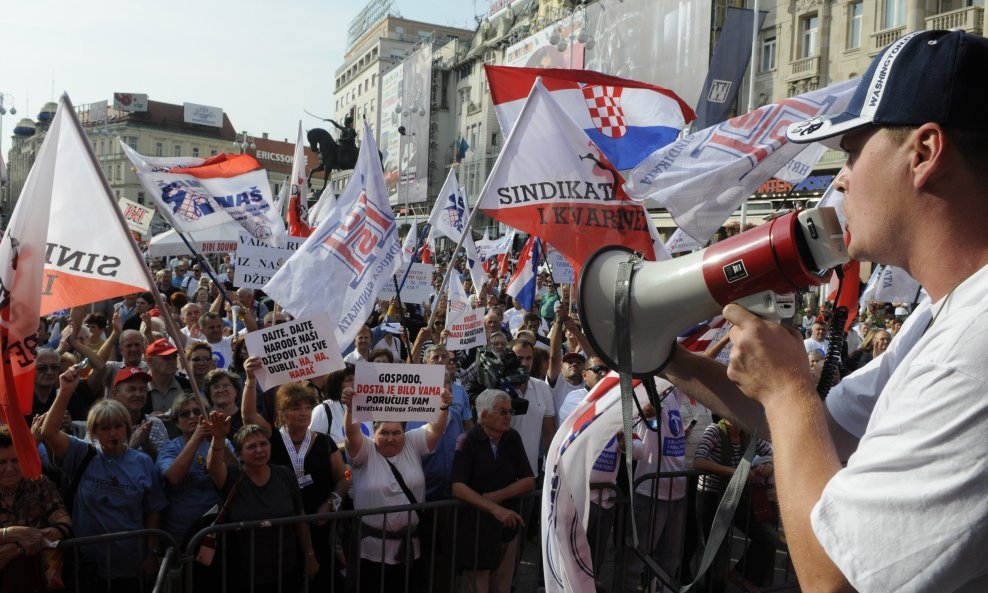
x=545, y=258
x=108, y=191
x=415, y=254
x=449, y=269
x=206, y=265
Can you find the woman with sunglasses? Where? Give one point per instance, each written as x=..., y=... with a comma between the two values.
x=182, y=463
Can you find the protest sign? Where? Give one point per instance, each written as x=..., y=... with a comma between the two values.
x=562, y=271
x=397, y=392
x=417, y=288
x=464, y=323
x=294, y=351
x=256, y=261
x=138, y=217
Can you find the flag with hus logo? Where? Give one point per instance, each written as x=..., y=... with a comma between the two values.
x=343, y=264
x=552, y=181
x=194, y=194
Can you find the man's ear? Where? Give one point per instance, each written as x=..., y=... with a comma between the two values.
x=929, y=152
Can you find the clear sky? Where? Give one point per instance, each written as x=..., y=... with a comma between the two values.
x=262, y=61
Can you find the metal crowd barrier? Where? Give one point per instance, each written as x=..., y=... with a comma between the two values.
x=437, y=568
x=80, y=575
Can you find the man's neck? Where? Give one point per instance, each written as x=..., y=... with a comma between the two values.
x=492, y=434
x=161, y=381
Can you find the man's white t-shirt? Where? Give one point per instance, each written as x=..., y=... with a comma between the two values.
x=908, y=511
x=223, y=352
x=672, y=458
x=529, y=425
x=810, y=344
x=560, y=389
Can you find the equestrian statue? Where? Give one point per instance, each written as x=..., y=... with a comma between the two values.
x=334, y=155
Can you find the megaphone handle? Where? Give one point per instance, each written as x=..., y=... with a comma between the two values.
x=622, y=319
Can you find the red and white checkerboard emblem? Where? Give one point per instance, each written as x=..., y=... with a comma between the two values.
x=604, y=103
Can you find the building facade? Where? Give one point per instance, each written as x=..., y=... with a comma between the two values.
x=162, y=130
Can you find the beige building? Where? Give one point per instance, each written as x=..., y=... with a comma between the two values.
x=160, y=131
x=811, y=43
x=376, y=47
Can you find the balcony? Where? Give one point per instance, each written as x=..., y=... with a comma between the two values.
x=881, y=39
x=967, y=19
x=804, y=68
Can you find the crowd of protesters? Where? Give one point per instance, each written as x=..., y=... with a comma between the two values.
x=143, y=443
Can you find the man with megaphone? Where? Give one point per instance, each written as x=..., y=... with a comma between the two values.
x=907, y=512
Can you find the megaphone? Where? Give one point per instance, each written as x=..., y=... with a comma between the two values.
x=788, y=253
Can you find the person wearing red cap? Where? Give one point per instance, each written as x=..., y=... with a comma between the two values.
x=165, y=385
x=130, y=388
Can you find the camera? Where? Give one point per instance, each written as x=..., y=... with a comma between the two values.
x=502, y=372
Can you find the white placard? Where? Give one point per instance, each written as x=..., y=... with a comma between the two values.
x=562, y=271
x=138, y=217
x=256, y=261
x=294, y=351
x=203, y=114
x=680, y=242
x=397, y=392
x=417, y=288
x=464, y=324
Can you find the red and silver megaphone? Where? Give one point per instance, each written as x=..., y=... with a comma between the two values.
x=783, y=255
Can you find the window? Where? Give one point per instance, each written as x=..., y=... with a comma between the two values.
x=140, y=198
x=178, y=150
x=493, y=138
x=159, y=149
x=810, y=36
x=854, y=35
x=212, y=152
x=118, y=172
x=895, y=14
x=768, y=54
x=130, y=141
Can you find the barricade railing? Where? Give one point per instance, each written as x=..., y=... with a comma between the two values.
x=82, y=558
x=618, y=567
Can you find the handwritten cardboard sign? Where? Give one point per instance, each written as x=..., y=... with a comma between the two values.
x=295, y=351
x=256, y=261
x=562, y=271
x=464, y=323
x=397, y=392
x=417, y=288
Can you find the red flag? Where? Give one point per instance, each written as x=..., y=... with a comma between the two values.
x=850, y=292
x=298, y=214
x=552, y=181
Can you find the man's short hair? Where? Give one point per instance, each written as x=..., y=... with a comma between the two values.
x=522, y=341
x=210, y=315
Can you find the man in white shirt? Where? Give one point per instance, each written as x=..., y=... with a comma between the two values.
x=905, y=513
x=818, y=337
x=538, y=425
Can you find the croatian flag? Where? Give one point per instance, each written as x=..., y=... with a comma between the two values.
x=522, y=284
x=626, y=119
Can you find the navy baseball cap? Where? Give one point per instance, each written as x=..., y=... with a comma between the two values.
x=925, y=76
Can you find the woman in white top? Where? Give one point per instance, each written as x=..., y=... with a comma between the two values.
x=387, y=471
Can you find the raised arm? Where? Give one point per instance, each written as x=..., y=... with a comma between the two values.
x=57, y=440
x=219, y=427
x=434, y=430
x=556, y=348
x=351, y=430
x=179, y=468
x=109, y=347
x=248, y=403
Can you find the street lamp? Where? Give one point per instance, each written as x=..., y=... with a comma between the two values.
x=565, y=39
x=5, y=99
x=243, y=142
